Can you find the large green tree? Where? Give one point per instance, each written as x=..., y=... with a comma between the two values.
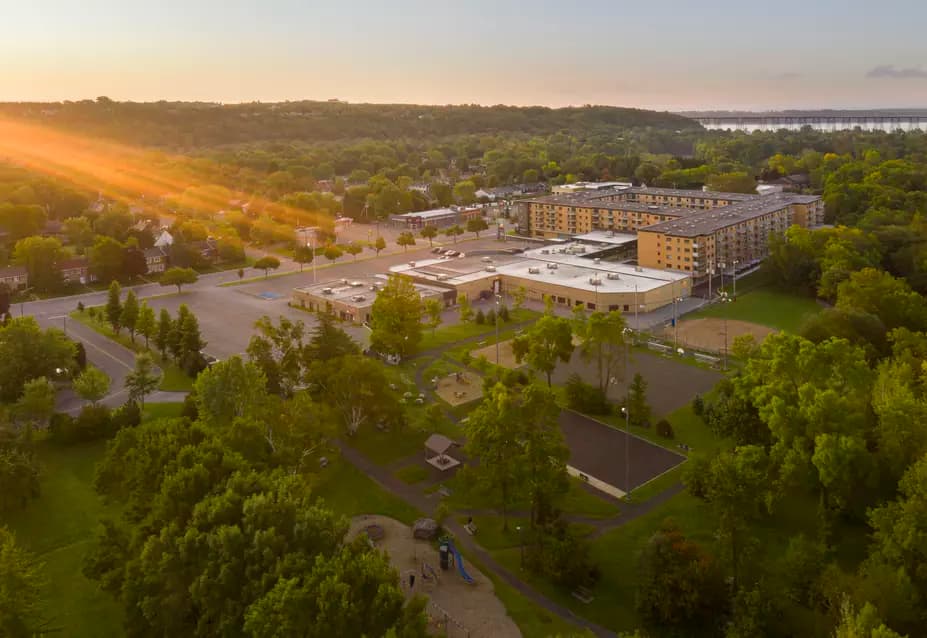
x=20, y=590
x=396, y=318
x=278, y=351
x=143, y=379
x=128, y=318
x=28, y=352
x=40, y=257
x=231, y=389
x=602, y=340
x=547, y=342
x=179, y=277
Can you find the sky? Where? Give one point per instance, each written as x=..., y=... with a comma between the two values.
x=660, y=54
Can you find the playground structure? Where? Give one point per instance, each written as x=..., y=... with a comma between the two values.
x=459, y=387
x=448, y=553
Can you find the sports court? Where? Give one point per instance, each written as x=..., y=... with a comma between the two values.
x=598, y=452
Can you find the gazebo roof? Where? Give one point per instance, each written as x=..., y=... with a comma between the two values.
x=438, y=443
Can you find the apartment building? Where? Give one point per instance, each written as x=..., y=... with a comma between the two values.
x=685, y=230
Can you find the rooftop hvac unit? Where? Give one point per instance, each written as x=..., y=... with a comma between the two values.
x=552, y=266
x=442, y=277
x=611, y=233
x=326, y=291
x=358, y=298
x=357, y=284
x=613, y=275
x=595, y=281
x=545, y=251
x=638, y=269
x=581, y=249
x=412, y=263
x=373, y=288
x=534, y=271
x=490, y=269
x=344, y=281
x=597, y=261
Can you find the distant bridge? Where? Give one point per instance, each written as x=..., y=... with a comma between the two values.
x=872, y=121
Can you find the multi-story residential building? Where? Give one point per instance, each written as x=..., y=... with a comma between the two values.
x=696, y=232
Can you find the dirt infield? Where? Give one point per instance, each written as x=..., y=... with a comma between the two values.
x=708, y=334
x=460, y=387
x=599, y=451
x=506, y=356
x=456, y=608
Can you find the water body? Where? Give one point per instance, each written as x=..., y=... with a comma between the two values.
x=819, y=125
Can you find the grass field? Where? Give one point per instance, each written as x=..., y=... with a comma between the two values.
x=765, y=306
x=349, y=492
x=446, y=335
x=59, y=528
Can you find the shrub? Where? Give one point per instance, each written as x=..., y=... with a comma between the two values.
x=480, y=317
x=584, y=397
x=491, y=317
x=92, y=312
x=192, y=364
x=80, y=356
x=698, y=406
x=128, y=416
x=665, y=429
x=556, y=552
x=466, y=358
x=80, y=306
x=93, y=423
x=504, y=314
x=189, y=409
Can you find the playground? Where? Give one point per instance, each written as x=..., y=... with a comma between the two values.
x=461, y=599
x=459, y=387
x=708, y=334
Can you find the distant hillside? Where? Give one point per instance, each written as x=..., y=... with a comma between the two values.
x=184, y=125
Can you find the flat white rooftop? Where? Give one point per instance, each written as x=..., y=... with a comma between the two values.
x=606, y=237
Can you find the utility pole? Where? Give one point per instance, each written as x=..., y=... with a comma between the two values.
x=498, y=308
x=627, y=420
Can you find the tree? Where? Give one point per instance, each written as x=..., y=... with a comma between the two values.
x=146, y=324
x=494, y=436
x=180, y=277
x=679, y=585
x=477, y=225
x=27, y=352
x=128, y=318
x=162, y=336
x=396, y=317
x=358, y=391
x=40, y=257
x=114, y=306
x=405, y=240
x=278, y=351
x=734, y=483
x=637, y=402
x=19, y=475
x=190, y=342
x=379, y=244
x=544, y=454
x=602, y=339
x=544, y=344
x=143, y=380
x=433, y=310
x=91, y=385
x=134, y=264
x=328, y=342
x=267, y=263
x=442, y=193
x=465, y=192
x=229, y=390
x=453, y=231
x=354, y=249
x=429, y=232
x=465, y=309
x=865, y=624
x=518, y=297
x=79, y=231
x=106, y=258
x=890, y=299
x=37, y=403
x=735, y=182
x=332, y=252
x=20, y=602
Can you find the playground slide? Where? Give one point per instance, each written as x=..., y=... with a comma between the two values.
x=460, y=567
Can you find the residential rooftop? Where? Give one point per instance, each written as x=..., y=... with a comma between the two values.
x=709, y=221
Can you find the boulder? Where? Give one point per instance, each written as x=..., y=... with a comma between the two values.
x=425, y=529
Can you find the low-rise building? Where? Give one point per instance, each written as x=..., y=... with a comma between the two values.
x=352, y=299
x=76, y=270
x=14, y=277
x=439, y=217
x=156, y=260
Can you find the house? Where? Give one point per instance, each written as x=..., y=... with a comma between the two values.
x=14, y=277
x=156, y=259
x=76, y=271
x=164, y=240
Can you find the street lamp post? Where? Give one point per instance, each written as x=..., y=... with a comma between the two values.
x=725, y=299
x=627, y=419
x=735, y=279
x=521, y=543
x=498, y=308
x=721, y=267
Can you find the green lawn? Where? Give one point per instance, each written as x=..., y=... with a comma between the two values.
x=578, y=500
x=60, y=528
x=446, y=335
x=386, y=447
x=349, y=492
x=412, y=474
x=161, y=411
x=765, y=306
x=174, y=379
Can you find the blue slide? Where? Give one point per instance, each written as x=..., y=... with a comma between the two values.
x=459, y=560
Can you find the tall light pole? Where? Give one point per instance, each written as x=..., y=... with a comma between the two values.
x=627, y=418
x=711, y=271
x=637, y=325
x=725, y=299
x=498, y=308
x=721, y=267
x=735, y=279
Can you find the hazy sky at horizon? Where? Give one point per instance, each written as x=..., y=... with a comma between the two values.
x=669, y=54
